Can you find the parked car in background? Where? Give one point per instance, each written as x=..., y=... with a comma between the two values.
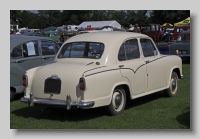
x=113, y=28
x=105, y=69
x=31, y=34
x=168, y=32
x=177, y=30
x=52, y=35
x=27, y=52
x=64, y=35
x=155, y=31
x=89, y=31
x=181, y=47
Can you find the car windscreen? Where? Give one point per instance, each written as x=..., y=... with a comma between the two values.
x=92, y=50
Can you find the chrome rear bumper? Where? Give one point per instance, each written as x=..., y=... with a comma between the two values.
x=68, y=103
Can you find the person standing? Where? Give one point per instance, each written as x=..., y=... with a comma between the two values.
x=136, y=29
x=109, y=28
x=122, y=28
x=131, y=28
x=90, y=27
x=17, y=32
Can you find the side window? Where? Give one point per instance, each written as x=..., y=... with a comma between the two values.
x=30, y=49
x=148, y=48
x=95, y=50
x=48, y=48
x=129, y=50
x=121, y=54
x=17, y=52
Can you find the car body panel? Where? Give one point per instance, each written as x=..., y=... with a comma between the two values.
x=19, y=64
x=102, y=75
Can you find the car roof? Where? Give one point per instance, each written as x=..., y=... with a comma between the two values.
x=18, y=39
x=105, y=36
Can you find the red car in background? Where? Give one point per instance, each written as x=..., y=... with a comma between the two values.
x=177, y=31
x=155, y=31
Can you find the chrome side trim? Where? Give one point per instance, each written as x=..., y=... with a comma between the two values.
x=68, y=103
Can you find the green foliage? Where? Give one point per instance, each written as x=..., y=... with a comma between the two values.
x=46, y=18
x=168, y=16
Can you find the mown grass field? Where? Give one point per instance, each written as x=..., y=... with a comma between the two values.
x=150, y=112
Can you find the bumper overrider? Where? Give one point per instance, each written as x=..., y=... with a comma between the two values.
x=67, y=103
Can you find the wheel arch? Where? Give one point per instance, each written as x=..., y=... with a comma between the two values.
x=12, y=88
x=126, y=87
x=174, y=69
x=177, y=70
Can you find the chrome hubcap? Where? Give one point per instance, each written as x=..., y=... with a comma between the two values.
x=118, y=100
x=173, y=85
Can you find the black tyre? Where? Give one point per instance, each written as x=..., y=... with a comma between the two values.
x=12, y=95
x=117, y=103
x=173, y=86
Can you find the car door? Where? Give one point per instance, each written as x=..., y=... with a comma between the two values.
x=132, y=66
x=49, y=49
x=23, y=57
x=155, y=66
x=29, y=56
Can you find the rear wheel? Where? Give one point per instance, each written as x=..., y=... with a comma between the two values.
x=12, y=95
x=173, y=86
x=118, y=102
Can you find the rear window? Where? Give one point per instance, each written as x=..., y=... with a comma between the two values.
x=92, y=50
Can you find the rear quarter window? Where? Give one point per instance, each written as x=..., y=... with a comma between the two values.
x=93, y=50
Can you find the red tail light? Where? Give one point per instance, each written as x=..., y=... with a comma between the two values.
x=25, y=80
x=82, y=83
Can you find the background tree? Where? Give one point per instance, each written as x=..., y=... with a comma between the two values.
x=46, y=18
x=168, y=16
x=15, y=15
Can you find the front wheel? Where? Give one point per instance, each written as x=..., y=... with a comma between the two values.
x=118, y=102
x=173, y=86
x=12, y=95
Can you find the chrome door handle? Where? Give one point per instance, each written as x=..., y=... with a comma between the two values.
x=147, y=61
x=45, y=57
x=19, y=61
x=121, y=66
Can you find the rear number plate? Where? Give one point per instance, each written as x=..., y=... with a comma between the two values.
x=182, y=52
x=52, y=86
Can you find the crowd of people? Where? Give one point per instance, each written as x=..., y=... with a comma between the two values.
x=134, y=28
x=105, y=28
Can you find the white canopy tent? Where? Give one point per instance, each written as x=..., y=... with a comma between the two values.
x=100, y=24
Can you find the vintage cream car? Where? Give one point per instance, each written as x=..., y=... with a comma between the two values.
x=103, y=69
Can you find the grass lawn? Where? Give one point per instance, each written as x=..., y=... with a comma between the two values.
x=150, y=112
